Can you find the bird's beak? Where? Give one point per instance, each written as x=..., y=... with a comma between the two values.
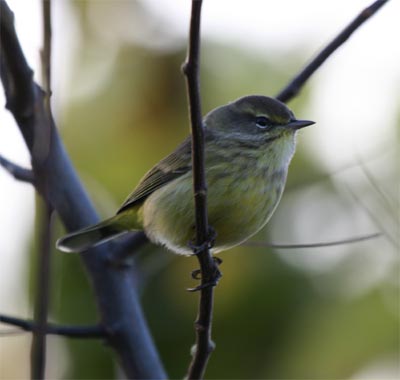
x=298, y=124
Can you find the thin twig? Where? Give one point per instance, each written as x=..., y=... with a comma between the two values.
x=17, y=171
x=389, y=204
x=208, y=267
x=11, y=332
x=372, y=215
x=42, y=298
x=41, y=149
x=191, y=71
x=94, y=331
x=294, y=87
x=357, y=239
x=46, y=52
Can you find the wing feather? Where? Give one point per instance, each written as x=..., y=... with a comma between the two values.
x=171, y=167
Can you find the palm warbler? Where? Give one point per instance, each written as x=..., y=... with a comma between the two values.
x=249, y=145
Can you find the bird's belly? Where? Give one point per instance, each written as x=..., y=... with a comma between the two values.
x=237, y=209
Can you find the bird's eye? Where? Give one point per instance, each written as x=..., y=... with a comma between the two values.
x=262, y=122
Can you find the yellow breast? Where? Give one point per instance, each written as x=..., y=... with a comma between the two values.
x=238, y=207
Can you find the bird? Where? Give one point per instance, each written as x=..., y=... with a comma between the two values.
x=249, y=144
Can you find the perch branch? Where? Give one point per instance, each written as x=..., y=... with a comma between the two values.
x=117, y=299
x=208, y=267
x=294, y=87
x=53, y=329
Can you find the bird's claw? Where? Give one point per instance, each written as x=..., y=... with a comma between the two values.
x=213, y=279
x=196, y=274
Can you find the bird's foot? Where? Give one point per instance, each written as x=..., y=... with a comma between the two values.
x=212, y=277
x=207, y=244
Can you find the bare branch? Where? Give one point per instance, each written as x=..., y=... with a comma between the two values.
x=191, y=71
x=117, y=300
x=352, y=240
x=390, y=205
x=11, y=332
x=208, y=267
x=18, y=172
x=43, y=275
x=294, y=87
x=94, y=331
x=392, y=237
x=42, y=297
x=46, y=52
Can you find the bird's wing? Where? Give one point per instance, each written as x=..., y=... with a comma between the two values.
x=173, y=166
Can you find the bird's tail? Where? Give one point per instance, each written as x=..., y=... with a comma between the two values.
x=93, y=235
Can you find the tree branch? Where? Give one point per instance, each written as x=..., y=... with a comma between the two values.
x=18, y=172
x=335, y=243
x=117, y=300
x=53, y=329
x=294, y=87
x=42, y=297
x=208, y=267
x=43, y=275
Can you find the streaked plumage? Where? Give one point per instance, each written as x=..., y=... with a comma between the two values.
x=249, y=145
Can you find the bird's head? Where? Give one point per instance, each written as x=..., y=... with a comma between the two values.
x=255, y=118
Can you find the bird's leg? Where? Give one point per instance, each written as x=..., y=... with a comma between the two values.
x=196, y=274
x=212, y=236
x=214, y=274
x=209, y=243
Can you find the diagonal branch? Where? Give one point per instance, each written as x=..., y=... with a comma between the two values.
x=95, y=331
x=208, y=267
x=117, y=300
x=294, y=87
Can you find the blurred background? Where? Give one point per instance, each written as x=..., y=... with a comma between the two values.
x=119, y=101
